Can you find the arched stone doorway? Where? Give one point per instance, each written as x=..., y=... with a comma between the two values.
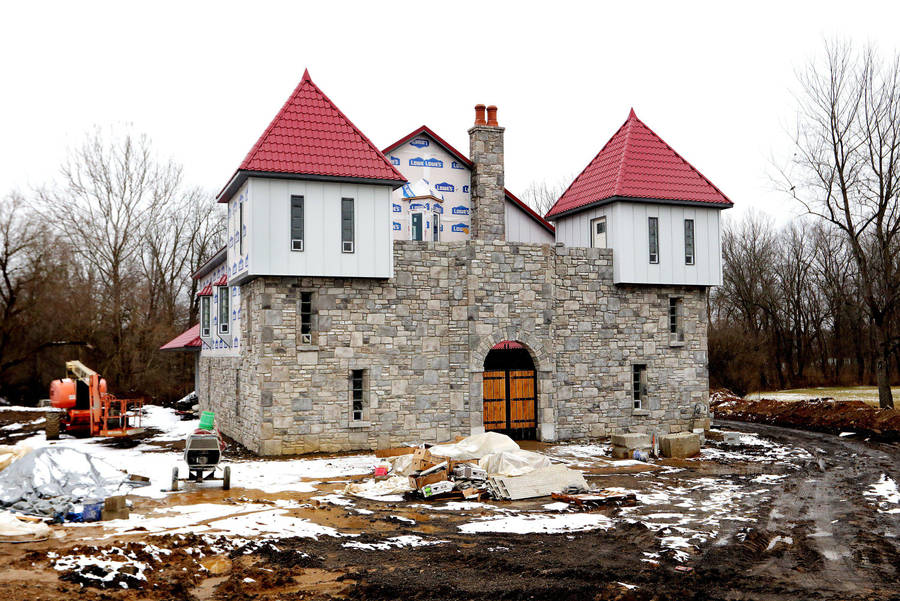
x=510, y=391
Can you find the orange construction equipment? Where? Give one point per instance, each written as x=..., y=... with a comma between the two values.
x=87, y=408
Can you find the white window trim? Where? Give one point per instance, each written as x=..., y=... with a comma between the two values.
x=206, y=332
x=297, y=244
x=594, y=223
x=348, y=246
x=692, y=258
x=638, y=403
x=654, y=257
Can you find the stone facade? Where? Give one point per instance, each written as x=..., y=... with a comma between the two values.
x=488, y=197
x=423, y=336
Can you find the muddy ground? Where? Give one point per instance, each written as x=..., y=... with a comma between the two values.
x=813, y=535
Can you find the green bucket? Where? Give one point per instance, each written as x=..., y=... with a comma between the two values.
x=207, y=418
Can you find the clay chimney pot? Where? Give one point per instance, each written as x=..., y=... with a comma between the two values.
x=492, y=116
x=479, y=114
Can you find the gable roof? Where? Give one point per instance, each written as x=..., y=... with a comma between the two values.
x=424, y=129
x=636, y=164
x=310, y=136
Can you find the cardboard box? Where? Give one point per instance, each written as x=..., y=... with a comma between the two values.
x=438, y=488
x=419, y=481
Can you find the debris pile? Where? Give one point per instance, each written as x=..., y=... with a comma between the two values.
x=489, y=465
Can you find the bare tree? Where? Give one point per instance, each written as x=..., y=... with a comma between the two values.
x=845, y=170
x=542, y=195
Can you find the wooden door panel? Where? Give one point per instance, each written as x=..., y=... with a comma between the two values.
x=494, y=396
x=523, y=404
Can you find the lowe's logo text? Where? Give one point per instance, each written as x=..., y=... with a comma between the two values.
x=395, y=160
x=460, y=227
x=396, y=208
x=417, y=162
x=455, y=165
x=396, y=227
x=460, y=210
x=434, y=163
x=438, y=209
x=465, y=189
x=419, y=143
x=444, y=187
x=417, y=206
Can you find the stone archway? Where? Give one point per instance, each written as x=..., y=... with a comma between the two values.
x=509, y=391
x=544, y=366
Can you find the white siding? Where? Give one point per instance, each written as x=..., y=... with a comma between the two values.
x=321, y=256
x=521, y=227
x=628, y=236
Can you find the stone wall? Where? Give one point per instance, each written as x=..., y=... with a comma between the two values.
x=422, y=338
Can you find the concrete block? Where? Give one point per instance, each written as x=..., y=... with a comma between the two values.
x=631, y=440
x=681, y=445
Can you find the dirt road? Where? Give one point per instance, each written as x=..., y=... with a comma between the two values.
x=804, y=527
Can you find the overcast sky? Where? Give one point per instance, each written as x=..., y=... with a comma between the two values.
x=203, y=80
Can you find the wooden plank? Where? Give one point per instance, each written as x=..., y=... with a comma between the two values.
x=494, y=397
x=523, y=402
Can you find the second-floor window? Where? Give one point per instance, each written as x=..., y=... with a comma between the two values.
x=224, y=310
x=241, y=228
x=435, y=227
x=297, y=223
x=347, y=225
x=688, y=241
x=204, y=316
x=653, y=226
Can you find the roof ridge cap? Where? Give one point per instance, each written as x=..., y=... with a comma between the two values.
x=684, y=160
x=617, y=189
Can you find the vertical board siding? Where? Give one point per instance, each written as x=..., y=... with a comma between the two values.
x=521, y=227
x=322, y=253
x=628, y=235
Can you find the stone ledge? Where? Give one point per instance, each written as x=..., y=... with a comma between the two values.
x=640, y=412
x=355, y=424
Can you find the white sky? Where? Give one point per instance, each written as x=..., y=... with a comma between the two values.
x=203, y=79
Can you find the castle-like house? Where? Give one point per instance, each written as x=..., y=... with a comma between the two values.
x=369, y=298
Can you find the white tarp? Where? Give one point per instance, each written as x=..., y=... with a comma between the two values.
x=475, y=446
x=401, y=464
x=12, y=528
x=369, y=489
x=59, y=472
x=512, y=463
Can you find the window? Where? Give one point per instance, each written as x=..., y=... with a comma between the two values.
x=676, y=320
x=204, y=316
x=306, y=317
x=638, y=384
x=297, y=223
x=347, y=225
x=654, y=239
x=357, y=393
x=241, y=228
x=435, y=227
x=416, y=229
x=224, y=310
x=598, y=232
x=688, y=241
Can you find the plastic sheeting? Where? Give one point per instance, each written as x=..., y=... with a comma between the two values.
x=14, y=529
x=476, y=446
x=60, y=474
x=513, y=463
x=373, y=489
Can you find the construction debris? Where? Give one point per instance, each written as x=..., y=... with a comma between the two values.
x=594, y=500
x=513, y=463
x=626, y=443
x=540, y=483
x=24, y=530
x=680, y=446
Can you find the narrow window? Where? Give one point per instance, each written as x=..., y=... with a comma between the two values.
x=676, y=319
x=241, y=228
x=435, y=227
x=598, y=232
x=347, y=225
x=297, y=223
x=224, y=310
x=357, y=392
x=688, y=241
x=416, y=229
x=654, y=239
x=306, y=317
x=204, y=316
x=638, y=384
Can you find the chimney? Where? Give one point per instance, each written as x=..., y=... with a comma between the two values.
x=487, y=187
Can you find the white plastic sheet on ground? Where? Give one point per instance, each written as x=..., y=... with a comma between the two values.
x=59, y=472
x=475, y=446
x=13, y=528
x=513, y=463
x=374, y=489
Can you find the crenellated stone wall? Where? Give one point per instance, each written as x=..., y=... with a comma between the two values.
x=422, y=338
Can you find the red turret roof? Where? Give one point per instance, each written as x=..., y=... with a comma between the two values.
x=637, y=164
x=311, y=136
